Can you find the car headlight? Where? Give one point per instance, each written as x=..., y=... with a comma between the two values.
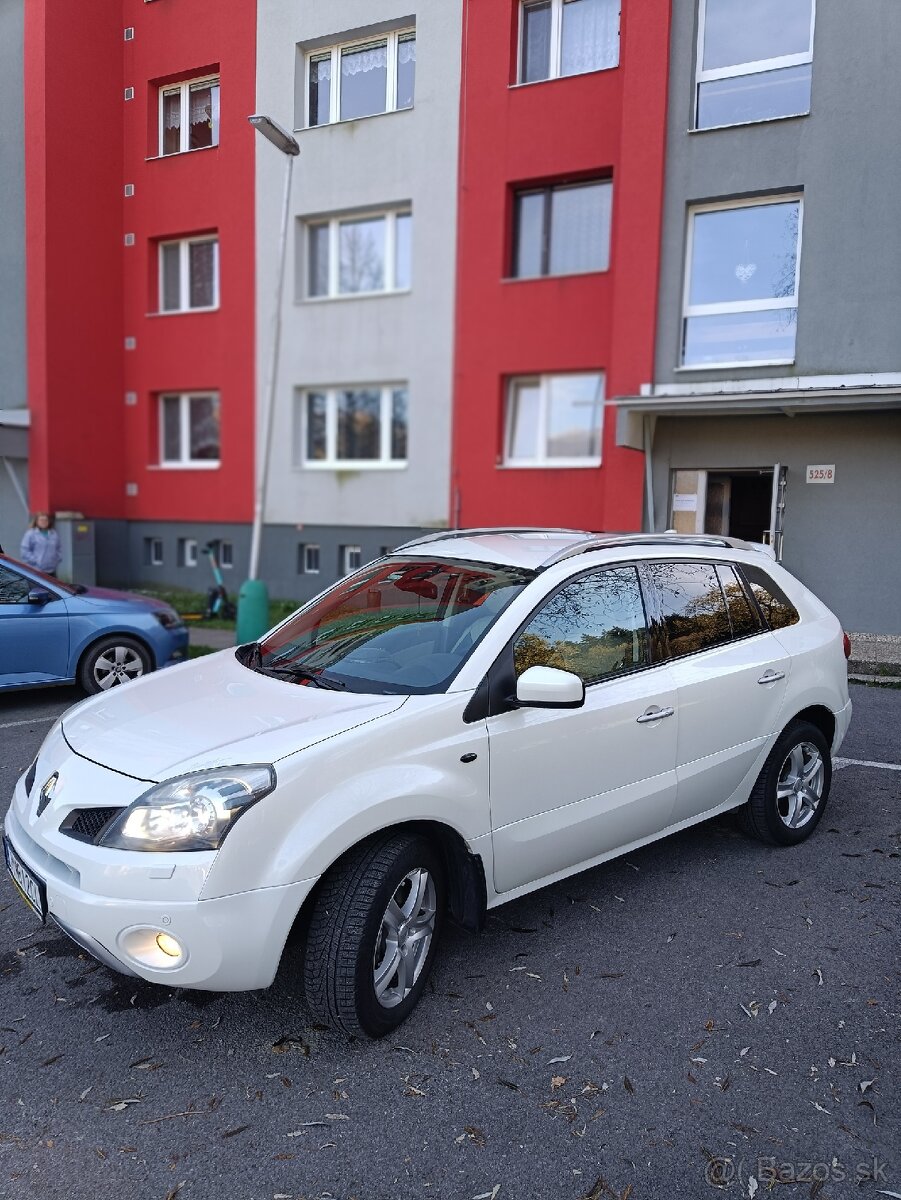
x=192, y=812
x=168, y=618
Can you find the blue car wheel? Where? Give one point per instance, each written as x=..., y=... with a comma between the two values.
x=111, y=662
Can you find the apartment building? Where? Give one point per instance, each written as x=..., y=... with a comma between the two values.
x=774, y=404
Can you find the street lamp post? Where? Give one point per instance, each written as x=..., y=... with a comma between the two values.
x=253, y=597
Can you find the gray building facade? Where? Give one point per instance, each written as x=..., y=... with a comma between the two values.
x=360, y=455
x=775, y=406
x=13, y=364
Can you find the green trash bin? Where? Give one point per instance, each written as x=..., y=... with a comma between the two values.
x=253, y=611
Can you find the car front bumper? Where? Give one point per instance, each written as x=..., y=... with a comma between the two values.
x=226, y=943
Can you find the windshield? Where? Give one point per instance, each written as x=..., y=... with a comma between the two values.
x=70, y=589
x=399, y=626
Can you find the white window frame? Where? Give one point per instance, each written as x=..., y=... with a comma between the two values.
x=185, y=86
x=543, y=460
x=334, y=224
x=156, y=551
x=308, y=548
x=184, y=431
x=347, y=552
x=184, y=275
x=364, y=43
x=189, y=552
x=331, y=462
x=557, y=46
x=736, y=306
x=226, y=549
x=758, y=67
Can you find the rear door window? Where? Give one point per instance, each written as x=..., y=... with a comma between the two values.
x=691, y=607
x=13, y=588
x=745, y=619
x=777, y=609
x=594, y=626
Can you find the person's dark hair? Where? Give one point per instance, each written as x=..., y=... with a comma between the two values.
x=49, y=516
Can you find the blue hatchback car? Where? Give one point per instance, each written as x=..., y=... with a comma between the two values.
x=55, y=632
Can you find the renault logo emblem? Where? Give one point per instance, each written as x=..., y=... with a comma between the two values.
x=47, y=792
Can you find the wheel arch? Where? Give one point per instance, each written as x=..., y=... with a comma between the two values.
x=96, y=637
x=821, y=718
x=467, y=895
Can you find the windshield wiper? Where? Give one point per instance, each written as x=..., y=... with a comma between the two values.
x=304, y=673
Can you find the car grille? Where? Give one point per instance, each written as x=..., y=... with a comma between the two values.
x=86, y=823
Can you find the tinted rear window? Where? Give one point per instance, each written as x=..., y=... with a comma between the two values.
x=744, y=617
x=691, y=606
x=777, y=609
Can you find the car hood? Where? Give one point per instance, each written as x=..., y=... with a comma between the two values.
x=211, y=712
x=106, y=598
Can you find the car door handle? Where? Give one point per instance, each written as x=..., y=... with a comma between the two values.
x=654, y=714
x=771, y=676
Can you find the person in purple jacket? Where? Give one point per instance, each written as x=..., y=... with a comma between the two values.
x=40, y=545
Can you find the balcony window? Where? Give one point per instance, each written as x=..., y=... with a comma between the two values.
x=554, y=421
x=357, y=426
x=562, y=230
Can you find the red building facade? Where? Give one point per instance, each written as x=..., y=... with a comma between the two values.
x=108, y=338
x=599, y=123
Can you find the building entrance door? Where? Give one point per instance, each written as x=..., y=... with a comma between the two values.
x=747, y=504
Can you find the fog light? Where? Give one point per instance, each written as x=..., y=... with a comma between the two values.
x=168, y=945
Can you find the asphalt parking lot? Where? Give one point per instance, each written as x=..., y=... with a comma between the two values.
x=705, y=1016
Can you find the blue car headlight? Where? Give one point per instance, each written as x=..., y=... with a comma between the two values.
x=168, y=618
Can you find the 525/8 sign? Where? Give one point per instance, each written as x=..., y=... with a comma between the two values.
x=823, y=473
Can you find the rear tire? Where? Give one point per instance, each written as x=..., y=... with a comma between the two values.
x=111, y=662
x=790, y=794
x=373, y=933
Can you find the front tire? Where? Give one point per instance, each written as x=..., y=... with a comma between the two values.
x=790, y=795
x=373, y=933
x=111, y=662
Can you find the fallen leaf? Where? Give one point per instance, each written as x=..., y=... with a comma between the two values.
x=629, y=1085
x=866, y=1083
x=562, y=1058
x=558, y=1082
x=234, y=1132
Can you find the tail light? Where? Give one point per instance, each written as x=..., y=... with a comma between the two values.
x=846, y=645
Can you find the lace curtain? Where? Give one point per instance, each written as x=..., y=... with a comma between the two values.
x=590, y=35
x=371, y=59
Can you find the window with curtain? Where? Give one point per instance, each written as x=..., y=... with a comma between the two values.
x=189, y=116
x=562, y=230
x=361, y=78
x=554, y=420
x=188, y=274
x=755, y=61
x=741, y=283
x=363, y=426
x=567, y=37
x=189, y=429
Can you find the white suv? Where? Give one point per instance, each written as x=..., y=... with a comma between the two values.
x=477, y=715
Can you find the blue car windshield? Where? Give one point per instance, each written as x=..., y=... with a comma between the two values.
x=402, y=626
x=70, y=589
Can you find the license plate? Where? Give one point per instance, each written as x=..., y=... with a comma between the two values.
x=32, y=890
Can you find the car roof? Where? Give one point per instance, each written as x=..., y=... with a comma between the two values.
x=536, y=548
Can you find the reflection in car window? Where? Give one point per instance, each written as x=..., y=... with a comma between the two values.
x=402, y=625
x=13, y=587
x=692, y=609
x=776, y=607
x=594, y=627
x=744, y=619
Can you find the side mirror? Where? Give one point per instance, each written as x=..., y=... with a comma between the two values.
x=546, y=687
x=39, y=595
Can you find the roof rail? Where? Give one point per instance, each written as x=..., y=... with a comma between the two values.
x=608, y=541
x=445, y=534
